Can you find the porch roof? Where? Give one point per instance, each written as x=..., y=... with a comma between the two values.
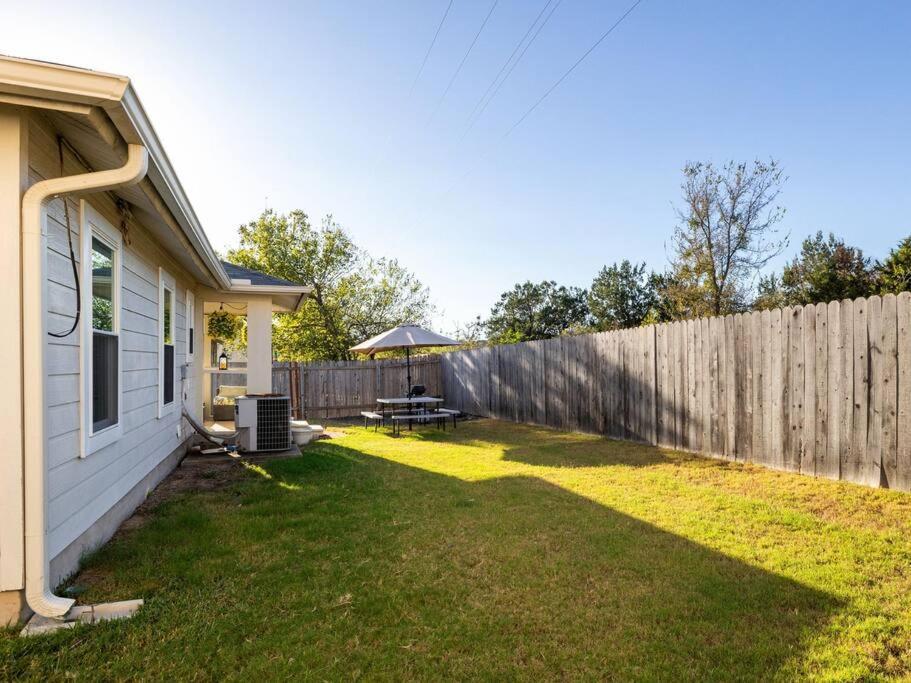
x=255, y=277
x=286, y=295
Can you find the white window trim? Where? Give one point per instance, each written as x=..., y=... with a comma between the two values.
x=190, y=324
x=166, y=281
x=94, y=224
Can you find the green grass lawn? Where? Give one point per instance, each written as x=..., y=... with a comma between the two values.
x=500, y=551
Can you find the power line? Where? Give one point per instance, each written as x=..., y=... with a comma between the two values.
x=384, y=150
x=430, y=49
x=462, y=63
x=514, y=65
x=508, y=60
x=547, y=92
x=572, y=68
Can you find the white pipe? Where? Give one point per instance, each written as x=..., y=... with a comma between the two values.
x=34, y=339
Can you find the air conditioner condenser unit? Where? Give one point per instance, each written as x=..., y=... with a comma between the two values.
x=263, y=422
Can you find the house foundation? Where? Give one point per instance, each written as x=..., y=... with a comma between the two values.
x=13, y=608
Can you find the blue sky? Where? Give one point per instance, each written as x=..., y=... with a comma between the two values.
x=308, y=104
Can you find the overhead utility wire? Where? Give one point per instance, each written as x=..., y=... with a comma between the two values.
x=514, y=65
x=430, y=49
x=384, y=150
x=547, y=92
x=508, y=60
x=572, y=68
x=464, y=59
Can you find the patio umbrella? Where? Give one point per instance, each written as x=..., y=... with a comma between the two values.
x=403, y=337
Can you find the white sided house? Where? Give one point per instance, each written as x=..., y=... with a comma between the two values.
x=96, y=375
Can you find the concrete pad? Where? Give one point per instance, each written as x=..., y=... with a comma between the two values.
x=82, y=614
x=39, y=625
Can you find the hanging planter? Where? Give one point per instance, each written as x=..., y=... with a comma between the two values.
x=223, y=326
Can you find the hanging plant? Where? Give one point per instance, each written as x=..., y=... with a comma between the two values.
x=223, y=326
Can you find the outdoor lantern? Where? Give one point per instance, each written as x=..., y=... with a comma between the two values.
x=223, y=361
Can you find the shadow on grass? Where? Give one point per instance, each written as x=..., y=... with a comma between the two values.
x=345, y=564
x=515, y=574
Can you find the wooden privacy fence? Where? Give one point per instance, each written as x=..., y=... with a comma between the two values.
x=820, y=389
x=328, y=389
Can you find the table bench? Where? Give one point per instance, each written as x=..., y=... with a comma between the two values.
x=411, y=418
x=454, y=414
x=376, y=418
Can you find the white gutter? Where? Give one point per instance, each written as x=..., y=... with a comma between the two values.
x=73, y=86
x=34, y=339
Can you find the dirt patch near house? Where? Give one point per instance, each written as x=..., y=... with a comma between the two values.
x=195, y=473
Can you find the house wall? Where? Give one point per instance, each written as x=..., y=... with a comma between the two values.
x=81, y=491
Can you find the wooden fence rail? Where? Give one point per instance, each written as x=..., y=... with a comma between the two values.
x=328, y=389
x=820, y=389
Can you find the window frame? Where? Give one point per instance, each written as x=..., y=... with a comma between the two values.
x=166, y=282
x=94, y=225
x=190, y=325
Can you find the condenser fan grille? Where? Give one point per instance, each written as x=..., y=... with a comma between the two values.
x=273, y=416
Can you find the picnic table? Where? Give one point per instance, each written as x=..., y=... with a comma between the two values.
x=415, y=409
x=419, y=402
x=405, y=401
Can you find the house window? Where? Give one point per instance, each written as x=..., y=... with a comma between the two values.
x=191, y=325
x=166, y=341
x=100, y=376
x=105, y=342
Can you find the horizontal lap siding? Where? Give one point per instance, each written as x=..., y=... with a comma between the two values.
x=81, y=490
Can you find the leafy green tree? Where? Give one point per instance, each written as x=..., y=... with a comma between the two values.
x=726, y=233
x=894, y=274
x=826, y=269
x=670, y=297
x=622, y=295
x=770, y=294
x=536, y=311
x=354, y=296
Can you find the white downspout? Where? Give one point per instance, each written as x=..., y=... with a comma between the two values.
x=34, y=339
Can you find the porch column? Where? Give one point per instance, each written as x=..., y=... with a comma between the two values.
x=259, y=345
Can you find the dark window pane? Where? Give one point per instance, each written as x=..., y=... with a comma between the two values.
x=168, y=369
x=102, y=286
x=168, y=329
x=105, y=391
x=191, y=341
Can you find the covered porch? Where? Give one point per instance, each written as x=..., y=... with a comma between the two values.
x=223, y=373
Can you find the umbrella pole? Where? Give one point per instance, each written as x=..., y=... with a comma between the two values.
x=408, y=369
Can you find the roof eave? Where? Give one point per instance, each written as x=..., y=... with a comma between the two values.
x=116, y=96
x=301, y=292
x=129, y=111
x=59, y=82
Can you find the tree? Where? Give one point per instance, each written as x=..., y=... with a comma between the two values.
x=354, y=296
x=770, y=294
x=471, y=334
x=622, y=295
x=669, y=299
x=894, y=275
x=826, y=269
x=536, y=311
x=725, y=234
